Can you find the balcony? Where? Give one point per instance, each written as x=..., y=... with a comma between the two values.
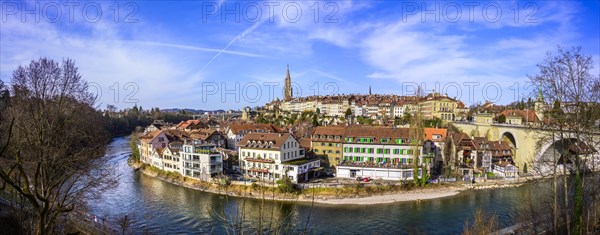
x=259, y=170
x=259, y=160
x=377, y=165
x=204, y=151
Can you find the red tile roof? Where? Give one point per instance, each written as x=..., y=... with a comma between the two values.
x=236, y=128
x=429, y=132
x=329, y=130
x=264, y=140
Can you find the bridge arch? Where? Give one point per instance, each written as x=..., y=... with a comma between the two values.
x=556, y=152
x=509, y=137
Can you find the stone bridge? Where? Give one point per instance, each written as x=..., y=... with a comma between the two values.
x=530, y=144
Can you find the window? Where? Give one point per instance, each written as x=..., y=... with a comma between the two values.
x=384, y=140
x=357, y=150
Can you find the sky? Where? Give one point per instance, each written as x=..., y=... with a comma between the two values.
x=227, y=55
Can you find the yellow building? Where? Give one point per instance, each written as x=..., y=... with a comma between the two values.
x=484, y=118
x=439, y=106
x=327, y=141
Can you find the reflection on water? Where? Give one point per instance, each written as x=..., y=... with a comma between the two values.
x=161, y=207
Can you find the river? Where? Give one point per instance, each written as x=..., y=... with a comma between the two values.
x=159, y=207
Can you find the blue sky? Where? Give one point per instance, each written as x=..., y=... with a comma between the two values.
x=227, y=54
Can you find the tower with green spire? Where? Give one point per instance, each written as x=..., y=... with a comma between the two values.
x=540, y=105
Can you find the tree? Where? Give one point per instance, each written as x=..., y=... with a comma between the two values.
x=318, y=111
x=415, y=137
x=135, y=151
x=124, y=223
x=482, y=224
x=51, y=155
x=348, y=112
x=501, y=118
x=285, y=185
x=4, y=96
x=3, y=92
x=111, y=108
x=567, y=82
x=315, y=120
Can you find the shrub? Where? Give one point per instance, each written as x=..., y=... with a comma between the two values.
x=286, y=185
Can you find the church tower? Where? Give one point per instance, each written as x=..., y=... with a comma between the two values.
x=370, y=90
x=287, y=88
x=539, y=104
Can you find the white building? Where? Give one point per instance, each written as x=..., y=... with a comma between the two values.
x=378, y=152
x=272, y=156
x=171, y=159
x=398, y=110
x=505, y=169
x=200, y=161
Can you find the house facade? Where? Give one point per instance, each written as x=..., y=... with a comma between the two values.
x=265, y=156
x=200, y=161
x=171, y=160
x=379, y=152
x=327, y=141
x=149, y=143
x=439, y=106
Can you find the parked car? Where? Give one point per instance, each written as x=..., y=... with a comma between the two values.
x=366, y=179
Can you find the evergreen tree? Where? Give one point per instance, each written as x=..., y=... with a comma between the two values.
x=315, y=121
x=348, y=112
x=501, y=118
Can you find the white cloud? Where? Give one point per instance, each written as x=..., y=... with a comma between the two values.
x=145, y=71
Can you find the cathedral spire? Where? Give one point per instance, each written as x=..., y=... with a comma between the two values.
x=370, y=90
x=287, y=88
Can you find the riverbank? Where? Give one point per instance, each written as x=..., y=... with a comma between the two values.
x=350, y=194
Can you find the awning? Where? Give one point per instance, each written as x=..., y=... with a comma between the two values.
x=317, y=169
